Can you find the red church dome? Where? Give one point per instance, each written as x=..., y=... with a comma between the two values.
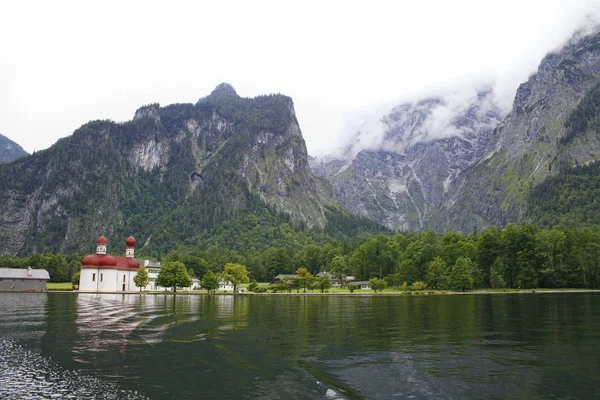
x=130, y=241
x=101, y=240
x=99, y=260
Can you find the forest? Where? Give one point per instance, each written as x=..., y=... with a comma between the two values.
x=515, y=257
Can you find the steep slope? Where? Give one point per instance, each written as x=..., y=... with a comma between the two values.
x=10, y=150
x=534, y=143
x=169, y=174
x=401, y=180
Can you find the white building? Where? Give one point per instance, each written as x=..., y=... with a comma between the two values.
x=101, y=272
x=225, y=285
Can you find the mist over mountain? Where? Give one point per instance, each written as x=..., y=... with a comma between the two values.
x=398, y=175
x=459, y=162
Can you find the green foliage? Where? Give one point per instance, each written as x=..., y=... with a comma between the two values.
x=141, y=279
x=210, y=281
x=461, y=275
x=585, y=117
x=437, y=275
x=419, y=286
x=352, y=287
x=305, y=278
x=322, y=283
x=377, y=284
x=236, y=274
x=75, y=279
x=173, y=274
x=253, y=286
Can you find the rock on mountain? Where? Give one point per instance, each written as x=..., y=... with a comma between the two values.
x=401, y=178
x=166, y=175
x=10, y=150
x=531, y=142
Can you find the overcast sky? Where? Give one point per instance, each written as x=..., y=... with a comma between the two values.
x=63, y=63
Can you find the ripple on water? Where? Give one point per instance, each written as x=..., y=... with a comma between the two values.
x=27, y=375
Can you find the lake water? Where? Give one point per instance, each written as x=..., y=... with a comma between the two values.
x=530, y=346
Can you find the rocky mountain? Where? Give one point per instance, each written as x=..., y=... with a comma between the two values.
x=551, y=128
x=10, y=150
x=167, y=175
x=453, y=168
x=401, y=179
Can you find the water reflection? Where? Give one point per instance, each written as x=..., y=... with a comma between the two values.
x=305, y=347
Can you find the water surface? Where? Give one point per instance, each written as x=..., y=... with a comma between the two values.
x=299, y=347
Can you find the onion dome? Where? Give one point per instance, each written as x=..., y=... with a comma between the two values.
x=101, y=240
x=99, y=260
x=130, y=241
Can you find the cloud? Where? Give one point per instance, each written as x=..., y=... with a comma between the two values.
x=519, y=54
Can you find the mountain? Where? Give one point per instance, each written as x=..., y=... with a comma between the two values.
x=401, y=179
x=552, y=128
x=10, y=150
x=171, y=175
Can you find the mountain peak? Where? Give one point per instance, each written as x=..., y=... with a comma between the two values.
x=224, y=88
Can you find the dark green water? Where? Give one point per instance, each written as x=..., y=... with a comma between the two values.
x=526, y=346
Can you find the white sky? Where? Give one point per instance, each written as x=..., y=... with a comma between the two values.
x=63, y=63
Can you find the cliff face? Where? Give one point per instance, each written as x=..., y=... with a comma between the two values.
x=189, y=165
x=404, y=180
x=10, y=150
x=531, y=145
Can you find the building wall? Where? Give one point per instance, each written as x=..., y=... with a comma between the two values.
x=18, y=285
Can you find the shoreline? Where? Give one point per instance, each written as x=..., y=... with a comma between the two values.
x=358, y=294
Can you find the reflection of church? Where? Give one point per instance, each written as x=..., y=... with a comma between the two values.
x=101, y=272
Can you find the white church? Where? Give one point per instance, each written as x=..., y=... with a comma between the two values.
x=102, y=272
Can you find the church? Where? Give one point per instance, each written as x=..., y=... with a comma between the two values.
x=102, y=272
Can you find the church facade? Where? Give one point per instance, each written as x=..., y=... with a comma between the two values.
x=102, y=272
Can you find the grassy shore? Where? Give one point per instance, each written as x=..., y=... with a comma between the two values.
x=59, y=286
x=66, y=286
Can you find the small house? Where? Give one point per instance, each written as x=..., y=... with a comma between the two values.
x=362, y=284
x=23, y=280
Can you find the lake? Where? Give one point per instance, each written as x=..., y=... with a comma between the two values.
x=530, y=346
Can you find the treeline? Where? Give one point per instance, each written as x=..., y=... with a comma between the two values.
x=514, y=257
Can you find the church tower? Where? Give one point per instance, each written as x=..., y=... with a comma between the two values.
x=101, y=245
x=130, y=242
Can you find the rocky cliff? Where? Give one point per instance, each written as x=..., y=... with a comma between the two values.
x=10, y=150
x=531, y=143
x=166, y=175
x=402, y=179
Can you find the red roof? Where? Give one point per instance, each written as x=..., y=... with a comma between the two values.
x=101, y=240
x=110, y=262
x=97, y=260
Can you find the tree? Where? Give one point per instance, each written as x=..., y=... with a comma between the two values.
x=305, y=278
x=236, y=274
x=438, y=274
x=461, y=275
x=141, y=279
x=339, y=267
x=323, y=283
x=75, y=279
x=377, y=284
x=210, y=281
x=173, y=274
